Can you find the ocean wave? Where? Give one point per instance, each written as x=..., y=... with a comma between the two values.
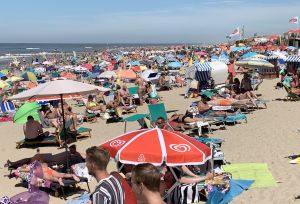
x=9, y=56
x=32, y=48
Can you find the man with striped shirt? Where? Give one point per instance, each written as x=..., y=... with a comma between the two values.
x=109, y=189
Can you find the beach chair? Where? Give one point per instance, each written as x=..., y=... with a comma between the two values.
x=290, y=96
x=133, y=91
x=156, y=111
x=8, y=108
x=50, y=140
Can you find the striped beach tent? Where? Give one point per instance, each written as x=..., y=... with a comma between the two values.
x=203, y=71
x=293, y=58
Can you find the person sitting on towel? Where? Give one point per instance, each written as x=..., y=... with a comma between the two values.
x=33, y=130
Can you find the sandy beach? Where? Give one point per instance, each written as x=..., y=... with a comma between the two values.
x=269, y=136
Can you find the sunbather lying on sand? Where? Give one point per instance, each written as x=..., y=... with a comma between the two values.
x=50, y=174
x=205, y=110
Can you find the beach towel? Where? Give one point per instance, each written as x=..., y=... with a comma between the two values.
x=258, y=172
x=83, y=199
x=236, y=188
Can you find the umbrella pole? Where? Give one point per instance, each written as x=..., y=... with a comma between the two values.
x=64, y=131
x=212, y=159
x=125, y=128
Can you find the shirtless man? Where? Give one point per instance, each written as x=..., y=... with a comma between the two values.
x=140, y=82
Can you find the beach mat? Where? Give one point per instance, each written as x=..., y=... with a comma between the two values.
x=258, y=172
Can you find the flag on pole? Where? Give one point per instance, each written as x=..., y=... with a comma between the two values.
x=294, y=20
x=235, y=32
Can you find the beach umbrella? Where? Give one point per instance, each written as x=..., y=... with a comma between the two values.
x=48, y=63
x=291, y=47
x=201, y=53
x=3, y=84
x=88, y=66
x=2, y=75
x=39, y=70
x=14, y=78
x=254, y=63
x=107, y=75
x=249, y=55
x=29, y=76
x=26, y=110
x=133, y=63
x=175, y=65
x=172, y=148
x=280, y=55
x=126, y=74
x=35, y=63
x=56, y=89
x=148, y=74
x=5, y=71
x=80, y=69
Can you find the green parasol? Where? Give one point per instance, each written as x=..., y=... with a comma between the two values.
x=26, y=110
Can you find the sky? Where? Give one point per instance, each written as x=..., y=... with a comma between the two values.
x=141, y=21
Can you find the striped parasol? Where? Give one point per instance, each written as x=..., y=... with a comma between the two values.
x=254, y=63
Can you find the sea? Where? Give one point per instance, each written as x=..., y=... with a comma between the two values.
x=27, y=50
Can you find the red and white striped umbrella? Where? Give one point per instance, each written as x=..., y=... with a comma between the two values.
x=157, y=146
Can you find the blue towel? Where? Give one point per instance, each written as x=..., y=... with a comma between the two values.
x=236, y=188
x=83, y=199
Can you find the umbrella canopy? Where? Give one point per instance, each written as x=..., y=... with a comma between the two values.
x=39, y=70
x=88, y=66
x=134, y=63
x=147, y=74
x=107, y=75
x=176, y=65
x=5, y=71
x=249, y=55
x=80, y=69
x=54, y=89
x=254, y=63
x=26, y=110
x=48, y=63
x=173, y=148
x=29, y=76
x=201, y=53
x=3, y=84
x=126, y=74
x=14, y=78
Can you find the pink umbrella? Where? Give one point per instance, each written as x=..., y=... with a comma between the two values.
x=88, y=66
x=201, y=53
